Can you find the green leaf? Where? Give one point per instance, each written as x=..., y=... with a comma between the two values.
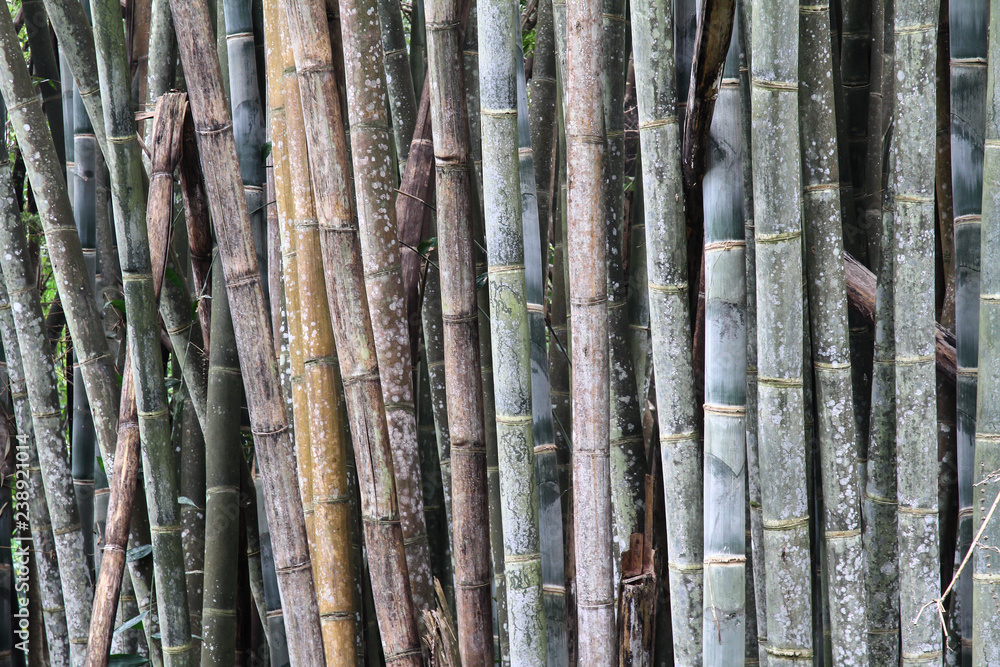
x=130, y=623
x=173, y=277
x=265, y=150
x=482, y=279
x=100, y=463
x=119, y=304
x=126, y=660
x=138, y=553
x=427, y=245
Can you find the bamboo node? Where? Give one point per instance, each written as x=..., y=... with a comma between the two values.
x=988, y=437
x=514, y=420
x=205, y=132
x=725, y=410
x=153, y=414
x=505, y=268
x=734, y=559
x=820, y=187
x=461, y=319
x=472, y=585
x=598, y=300
x=913, y=29
x=526, y=558
x=825, y=366
x=787, y=652
x=989, y=298
x=211, y=611
x=914, y=198
x=177, y=650
x=778, y=86
x=690, y=568
x=973, y=219
x=966, y=371
x=660, y=122
x=167, y=528
x=724, y=245
x=446, y=25
x=916, y=361
x=925, y=656
x=596, y=604
x=786, y=524
x=75, y=528
x=683, y=436
x=296, y=567
x=779, y=383
x=917, y=511
x=676, y=288
x=122, y=140
x=778, y=238
x=403, y=655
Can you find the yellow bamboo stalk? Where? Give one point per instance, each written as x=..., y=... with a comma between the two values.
x=330, y=495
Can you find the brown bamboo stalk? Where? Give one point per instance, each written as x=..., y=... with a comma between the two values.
x=460, y=315
x=166, y=145
x=199, y=231
x=330, y=494
x=268, y=417
x=359, y=362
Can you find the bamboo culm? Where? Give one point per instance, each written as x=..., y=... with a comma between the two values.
x=774, y=64
x=912, y=175
x=985, y=615
x=680, y=449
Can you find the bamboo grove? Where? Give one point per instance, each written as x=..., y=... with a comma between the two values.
x=430, y=333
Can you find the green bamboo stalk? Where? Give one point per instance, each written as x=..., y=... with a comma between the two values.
x=48, y=581
x=725, y=384
x=84, y=437
x=398, y=79
x=39, y=374
x=45, y=67
x=509, y=328
x=637, y=297
x=7, y=593
x=546, y=459
x=456, y=208
x=432, y=327
x=69, y=122
x=781, y=437
x=278, y=647
x=129, y=203
x=249, y=521
x=222, y=477
x=968, y=21
x=418, y=47
x=831, y=357
x=190, y=442
x=985, y=644
x=913, y=150
x=47, y=176
x=854, y=69
x=656, y=91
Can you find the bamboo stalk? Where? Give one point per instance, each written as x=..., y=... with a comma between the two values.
x=330, y=493
x=463, y=378
x=546, y=460
x=68, y=91
x=165, y=153
x=778, y=243
x=831, y=356
x=47, y=176
x=398, y=79
x=912, y=175
x=45, y=67
x=278, y=647
x=855, y=70
x=199, y=232
x=588, y=290
x=985, y=644
x=71, y=24
x=656, y=91
x=433, y=333
x=8, y=602
x=222, y=476
x=725, y=380
x=968, y=28
x=497, y=27
x=39, y=375
x=190, y=442
x=46, y=567
x=125, y=166
x=268, y=417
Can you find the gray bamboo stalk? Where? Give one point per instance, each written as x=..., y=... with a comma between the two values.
x=269, y=420
x=8, y=600
x=398, y=78
x=222, y=478
x=546, y=459
x=913, y=152
x=279, y=650
x=418, y=48
x=755, y=523
x=968, y=29
x=47, y=176
x=588, y=290
x=71, y=24
x=374, y=188
x=725, y=380
x=84, y=437
x=628, y=462
x=158, y=460
x=985, y=615
x=190, y=442
x=498, y=31
x=437, y=523
x=40, y=381
x=782, y=435
x=637, y=298
x=43, y=540
x=456, y=208
x=433, y=332
x=656, y=92
x=249, y=123
x=831, y=356
x=854, y=69
x=68, y=90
